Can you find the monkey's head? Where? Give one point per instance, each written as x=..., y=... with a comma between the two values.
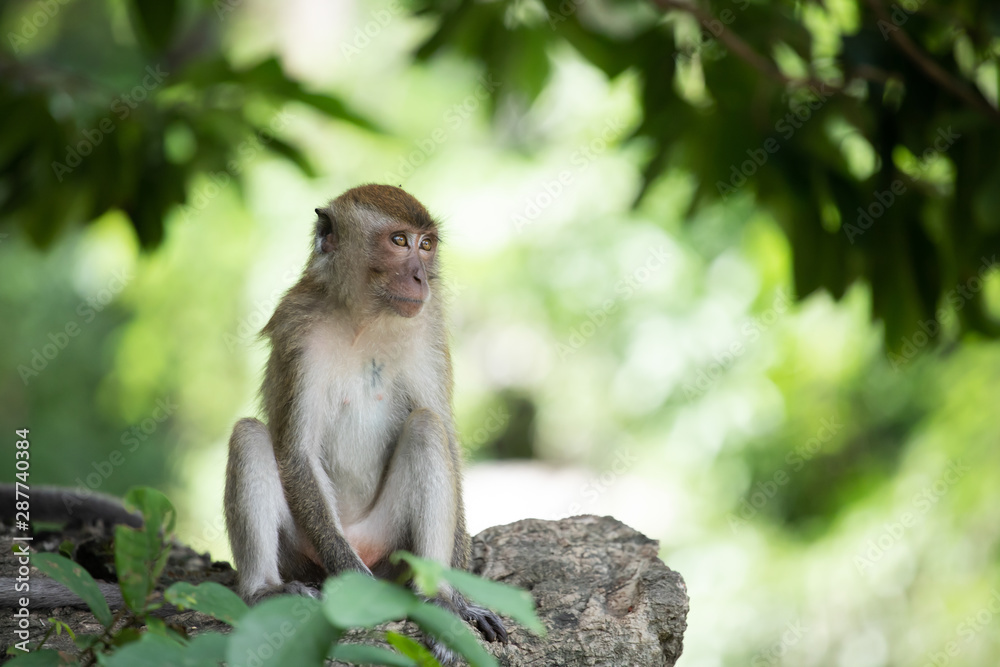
x=379, y=242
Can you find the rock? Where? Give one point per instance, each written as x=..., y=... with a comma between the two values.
x=600, y=590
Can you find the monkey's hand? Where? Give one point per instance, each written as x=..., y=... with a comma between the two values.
x=488, y=623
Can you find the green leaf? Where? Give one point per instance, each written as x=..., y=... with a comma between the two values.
x=141, y=554
x=360, y=654
x=334, y=108
x=509, y=600
x=157, y=511
x=356, y=600
x=60, y=627
x=66, y=548
x=412, y=649
x=126, y=636
x=209, y=598
x=208, y=649
x=78, y=580
x=135, y=559
x=157, y=626
x=293, y=155
x=427, y=574
x=150, y=651
x=45, y=658
x=286, y=630
x=269, y=76
x=453, y=632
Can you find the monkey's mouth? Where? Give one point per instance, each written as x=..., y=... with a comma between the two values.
x=403, y=305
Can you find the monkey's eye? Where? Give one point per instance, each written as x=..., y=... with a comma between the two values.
x=426, y=244
x=399, y=239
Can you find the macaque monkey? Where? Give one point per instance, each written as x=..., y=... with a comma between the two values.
x=358, y=457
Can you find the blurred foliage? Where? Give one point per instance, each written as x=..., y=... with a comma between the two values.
x=873, y=94
x=177, y=108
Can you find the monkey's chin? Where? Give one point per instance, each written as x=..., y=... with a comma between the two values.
x=405, y=307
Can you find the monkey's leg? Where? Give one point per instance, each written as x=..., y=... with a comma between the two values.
x=418, y=509
x=257, y=515
x=416, y=506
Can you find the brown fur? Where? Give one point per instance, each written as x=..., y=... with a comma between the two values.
x=393, y=202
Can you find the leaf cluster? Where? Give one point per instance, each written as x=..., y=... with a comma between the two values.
x=870, y=130
x=127, y=124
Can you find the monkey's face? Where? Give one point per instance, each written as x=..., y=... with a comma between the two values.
x=402, y=265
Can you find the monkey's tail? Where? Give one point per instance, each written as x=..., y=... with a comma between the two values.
x=57, y=504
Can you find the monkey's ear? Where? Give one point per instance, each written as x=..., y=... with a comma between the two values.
x=327, y=238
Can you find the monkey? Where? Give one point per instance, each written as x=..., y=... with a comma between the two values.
x=358, y=455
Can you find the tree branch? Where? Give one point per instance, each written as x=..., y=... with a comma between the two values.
x=931, y=69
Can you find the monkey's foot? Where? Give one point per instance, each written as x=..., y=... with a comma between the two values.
x=284, y=588
x=488, y=623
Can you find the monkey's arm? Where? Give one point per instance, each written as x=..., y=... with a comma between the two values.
x=313, y=507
